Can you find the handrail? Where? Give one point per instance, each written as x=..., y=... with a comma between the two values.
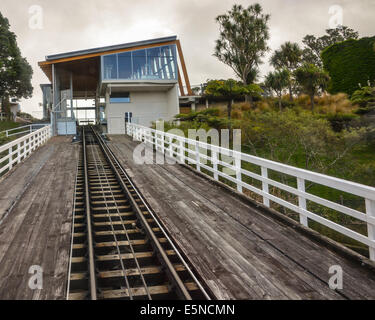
x=175, y=147
x=30, y=126
x=58, y=104
x=21, y=148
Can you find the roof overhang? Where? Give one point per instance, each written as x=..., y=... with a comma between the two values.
x=84, y=64
x=110, y=49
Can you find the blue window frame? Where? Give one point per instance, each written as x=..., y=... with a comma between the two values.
x=119, y=97
x=157, y=63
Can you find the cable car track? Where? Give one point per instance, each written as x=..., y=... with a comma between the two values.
x=120, y=250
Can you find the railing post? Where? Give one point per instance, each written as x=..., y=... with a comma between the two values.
x=171, y=147
x=265, y=188
x=10, y=159
x=162, y=143
x=197, y=156
x=302, y=202
x=149, y=136
x=182, y=151
x=18, y=152
x=370, y=212
x=238, y=165
x=214, y=156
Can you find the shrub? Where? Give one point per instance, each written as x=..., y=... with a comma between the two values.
x=350, y=63
x=365, y=98
x=303, y=100
x=245, y=106
x=211, y=112
x=236, y=114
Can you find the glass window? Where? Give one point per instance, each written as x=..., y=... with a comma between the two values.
x=153, y=63
x=125, y=65
x=110, y=67
x=119, y=97
x=159, y=63
x=139, y=65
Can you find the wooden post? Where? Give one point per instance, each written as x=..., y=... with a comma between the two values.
x=265, y=188
x=238, y=166
x=162, y=143
x=370, y=211
x=18, y=152
x=171, y=147
x=214, y=156
x=10, y=158
x=197, y=156
x=182, y=151
x=302, y=202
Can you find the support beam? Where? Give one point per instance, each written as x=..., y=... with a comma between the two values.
x=71, y=95
x=182, y=91
x=184, y=70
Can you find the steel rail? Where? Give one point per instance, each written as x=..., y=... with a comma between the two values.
x=125, y=229
x=171, y=272
x=72, y=230
x=160, y=226
x=93, y=292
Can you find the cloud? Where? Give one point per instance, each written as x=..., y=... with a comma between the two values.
x=73, y=25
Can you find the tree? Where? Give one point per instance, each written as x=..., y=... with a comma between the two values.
x=15, y=71
x=288, y=57
x=311, y=79
x=243, y=40
x=278, y=81
x=350, y=64
x=314, y=46
x=229, y=90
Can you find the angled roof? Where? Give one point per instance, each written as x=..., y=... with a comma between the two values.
x=82, y=62
x=101, y=50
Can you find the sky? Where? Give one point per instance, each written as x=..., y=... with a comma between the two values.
x=47, y=27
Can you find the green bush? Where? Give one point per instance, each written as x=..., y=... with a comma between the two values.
x=365, y=98
x=340, y=121
x=350, y=63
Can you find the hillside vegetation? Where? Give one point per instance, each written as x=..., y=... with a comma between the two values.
x=6, y=125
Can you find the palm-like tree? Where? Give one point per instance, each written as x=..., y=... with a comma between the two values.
x=312, y=80
x=278, y=81
x=288, y=57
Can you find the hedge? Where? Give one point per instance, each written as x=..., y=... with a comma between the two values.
x=350, y=63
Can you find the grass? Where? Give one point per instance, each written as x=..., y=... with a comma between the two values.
x=6, y=125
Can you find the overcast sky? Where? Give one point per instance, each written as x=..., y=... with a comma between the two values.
x=73, y=25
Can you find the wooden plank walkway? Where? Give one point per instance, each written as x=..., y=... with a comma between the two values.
x=241, y=252
x=36, y=204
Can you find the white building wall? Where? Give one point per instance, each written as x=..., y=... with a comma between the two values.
x=146, y=106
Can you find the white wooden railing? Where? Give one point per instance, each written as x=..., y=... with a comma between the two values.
x=14, y=152
x=193, y=152
x=23, y=130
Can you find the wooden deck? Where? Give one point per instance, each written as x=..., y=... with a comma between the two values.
x=36, y=204
x=241, y=252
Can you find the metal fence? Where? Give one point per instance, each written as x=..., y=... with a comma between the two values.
x=195, y=152
x=14, y=152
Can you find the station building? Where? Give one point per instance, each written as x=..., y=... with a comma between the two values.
x=139, y=82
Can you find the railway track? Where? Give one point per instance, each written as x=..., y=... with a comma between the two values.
x=119, y=248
